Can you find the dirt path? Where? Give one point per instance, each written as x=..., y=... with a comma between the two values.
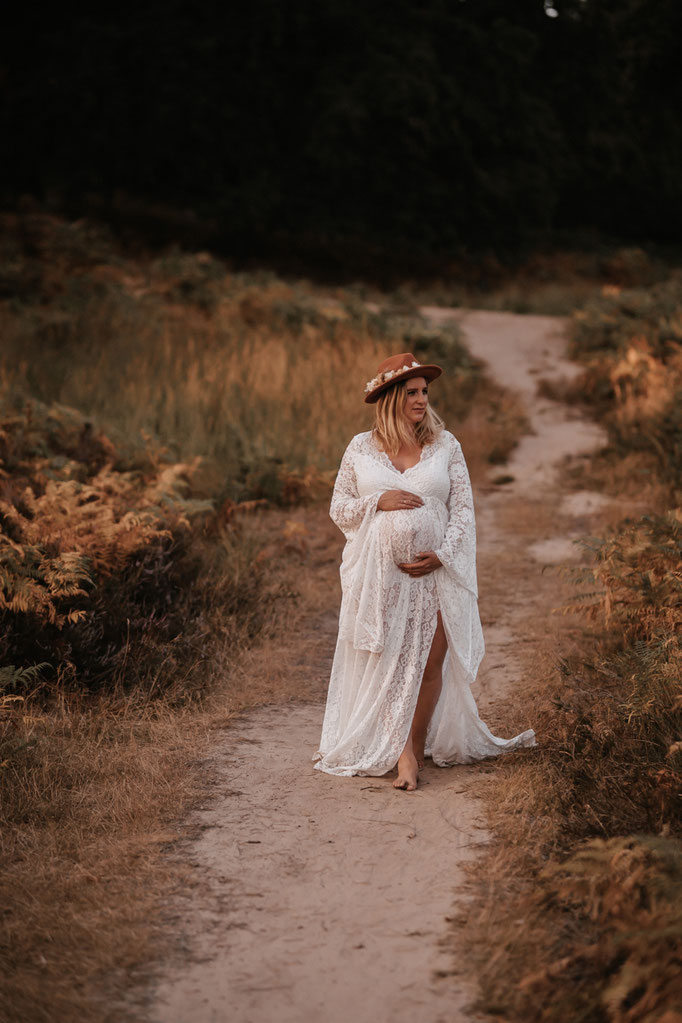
x=328, y=898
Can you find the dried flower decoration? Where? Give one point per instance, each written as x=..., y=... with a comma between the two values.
x=384, y=377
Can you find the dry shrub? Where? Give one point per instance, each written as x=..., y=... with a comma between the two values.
x=620, y=706
x=93, y=555
x=631, y=891
x=590, y=860
x=613, y=952
x=640, y=570
x=631, y=344
x=123, y=599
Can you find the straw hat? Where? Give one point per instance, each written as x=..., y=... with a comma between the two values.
x=395, y=369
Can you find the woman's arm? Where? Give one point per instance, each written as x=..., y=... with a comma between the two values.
x=460, y=535
x=348, y=509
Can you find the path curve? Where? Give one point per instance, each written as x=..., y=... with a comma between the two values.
x=324, y=898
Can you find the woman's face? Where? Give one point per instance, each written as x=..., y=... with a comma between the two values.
x=416, y=400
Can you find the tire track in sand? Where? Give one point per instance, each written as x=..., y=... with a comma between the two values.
x=319, y=897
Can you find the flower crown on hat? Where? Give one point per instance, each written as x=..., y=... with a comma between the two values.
x=395, y=369
x=383, y=377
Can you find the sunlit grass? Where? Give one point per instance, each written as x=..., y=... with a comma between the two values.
x=259, y=377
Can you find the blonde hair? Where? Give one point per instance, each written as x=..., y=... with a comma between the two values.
x=391, y=429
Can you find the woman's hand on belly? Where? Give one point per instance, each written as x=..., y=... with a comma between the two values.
x=425, y=562
x=398, y=500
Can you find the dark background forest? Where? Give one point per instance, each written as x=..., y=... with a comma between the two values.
x=351, y=132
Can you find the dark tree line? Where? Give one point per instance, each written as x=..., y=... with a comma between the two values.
x=409, y=127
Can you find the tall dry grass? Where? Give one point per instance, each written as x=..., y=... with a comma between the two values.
x=248, y=388
x=91, y=794
x=258, y=376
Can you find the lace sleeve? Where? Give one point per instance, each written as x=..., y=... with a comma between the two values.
x=347, y=509
x=459, y=543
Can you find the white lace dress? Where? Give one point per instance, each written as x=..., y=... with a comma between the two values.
x=388, y=619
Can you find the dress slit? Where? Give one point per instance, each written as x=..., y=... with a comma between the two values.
x=426, y=651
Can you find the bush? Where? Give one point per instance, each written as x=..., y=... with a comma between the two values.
x=631, y=344
x=93, y=554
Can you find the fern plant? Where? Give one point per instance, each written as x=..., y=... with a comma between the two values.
x=77, y=529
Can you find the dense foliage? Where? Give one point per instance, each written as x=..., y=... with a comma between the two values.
x=385, y=133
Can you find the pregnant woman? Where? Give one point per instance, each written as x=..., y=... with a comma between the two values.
x=410, y=639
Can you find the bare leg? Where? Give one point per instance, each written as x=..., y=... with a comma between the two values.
x=432, y=683
x=412, y=757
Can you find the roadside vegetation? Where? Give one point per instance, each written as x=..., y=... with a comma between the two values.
x=583, y=902
x=549, y=283
x=161, y=420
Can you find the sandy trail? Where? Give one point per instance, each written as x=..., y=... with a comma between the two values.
x=328, y=898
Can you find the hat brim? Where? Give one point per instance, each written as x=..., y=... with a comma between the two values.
x=428, y=372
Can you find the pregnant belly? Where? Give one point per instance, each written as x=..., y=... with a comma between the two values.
x=403, y=534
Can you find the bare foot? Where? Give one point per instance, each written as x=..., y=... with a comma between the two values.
x=418, y=748
x=408, y=771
